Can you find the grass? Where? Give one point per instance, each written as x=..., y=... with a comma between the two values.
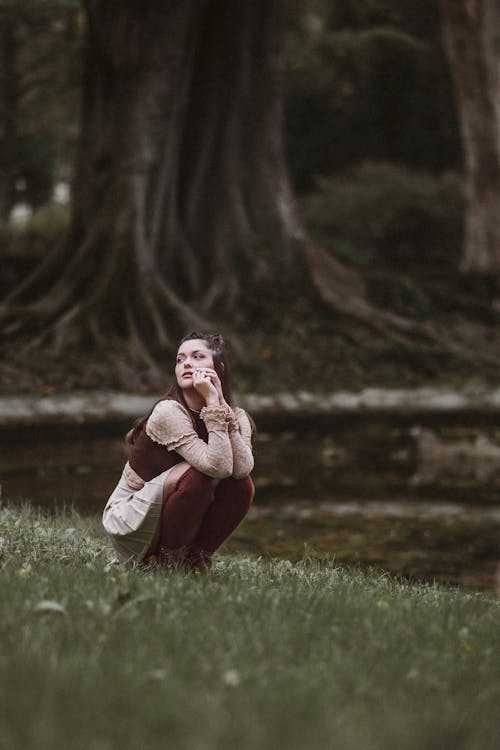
x=255, y=654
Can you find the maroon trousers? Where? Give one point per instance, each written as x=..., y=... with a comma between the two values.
x=199, y=515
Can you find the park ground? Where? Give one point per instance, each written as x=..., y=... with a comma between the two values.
x=284, y=337
x=308, y=348
x=258, y=653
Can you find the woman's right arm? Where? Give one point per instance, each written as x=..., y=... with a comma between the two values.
x=171, y=426
x=240, y=435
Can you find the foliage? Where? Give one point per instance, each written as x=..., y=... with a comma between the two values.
x=38, y=97
x=254, y=654
x=35, y=236
x=23, y=245
x=365, y=80
x=368, y=81
x=381, y=214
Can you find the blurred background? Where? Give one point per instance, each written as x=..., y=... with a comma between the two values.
x=361, y=114
x=319, y=180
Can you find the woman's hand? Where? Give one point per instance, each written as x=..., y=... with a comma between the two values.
x=215, y=380
x=216, y=383
x=202, y=382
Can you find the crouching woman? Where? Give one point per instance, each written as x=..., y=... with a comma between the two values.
x=186, y=485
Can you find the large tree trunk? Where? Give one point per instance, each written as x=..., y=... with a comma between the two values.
x=181, y=203
x=472, y=35
x=181, y=194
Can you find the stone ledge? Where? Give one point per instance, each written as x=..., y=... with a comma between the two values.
x=102, y=405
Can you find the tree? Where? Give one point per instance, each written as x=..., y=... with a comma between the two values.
x=472, y=33
x=181, y=196
x=182, y=204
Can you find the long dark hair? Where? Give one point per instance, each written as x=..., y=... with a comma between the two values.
x=217, y=345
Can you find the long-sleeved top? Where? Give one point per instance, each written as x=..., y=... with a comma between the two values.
x=218, y=444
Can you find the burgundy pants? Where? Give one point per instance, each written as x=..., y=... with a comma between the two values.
x=200, y=514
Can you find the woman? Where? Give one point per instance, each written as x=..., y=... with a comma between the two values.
x=186, y=485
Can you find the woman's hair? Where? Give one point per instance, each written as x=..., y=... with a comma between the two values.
x=216, y=343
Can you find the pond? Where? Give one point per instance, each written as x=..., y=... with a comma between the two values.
x=416, y=495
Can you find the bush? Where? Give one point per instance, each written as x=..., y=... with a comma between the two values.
x=385, y=213
x=37, y=235
x=23, y=245
x=368, y=81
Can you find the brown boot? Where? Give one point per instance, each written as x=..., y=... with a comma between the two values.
x=198, y=560
x=173, y=558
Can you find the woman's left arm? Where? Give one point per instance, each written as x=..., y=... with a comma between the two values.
x=240, y=436
x=240, y=432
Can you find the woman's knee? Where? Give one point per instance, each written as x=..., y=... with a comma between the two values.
x=185, y=477
x=239, y=490
x=188, y=479
x=174, y=477
x=197, y=481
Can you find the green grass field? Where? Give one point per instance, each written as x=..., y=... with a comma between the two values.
x=263, y=654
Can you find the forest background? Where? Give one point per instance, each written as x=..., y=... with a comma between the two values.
x=354, y=116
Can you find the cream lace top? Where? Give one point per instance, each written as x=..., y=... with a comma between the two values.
x=229, y=448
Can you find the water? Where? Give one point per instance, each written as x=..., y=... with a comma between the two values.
x=417, y=496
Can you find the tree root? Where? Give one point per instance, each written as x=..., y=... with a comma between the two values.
x=343, y=290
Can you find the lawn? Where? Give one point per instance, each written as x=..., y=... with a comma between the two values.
x=257, y=653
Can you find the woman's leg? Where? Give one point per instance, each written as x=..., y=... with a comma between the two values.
x=232, y=501
x=169, y=486
x=185, y=508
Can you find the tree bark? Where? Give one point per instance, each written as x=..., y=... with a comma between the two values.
x=472, y=36
x=182, y=204
x=181, y=196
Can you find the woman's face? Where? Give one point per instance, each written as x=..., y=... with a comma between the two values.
x=192, y=355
